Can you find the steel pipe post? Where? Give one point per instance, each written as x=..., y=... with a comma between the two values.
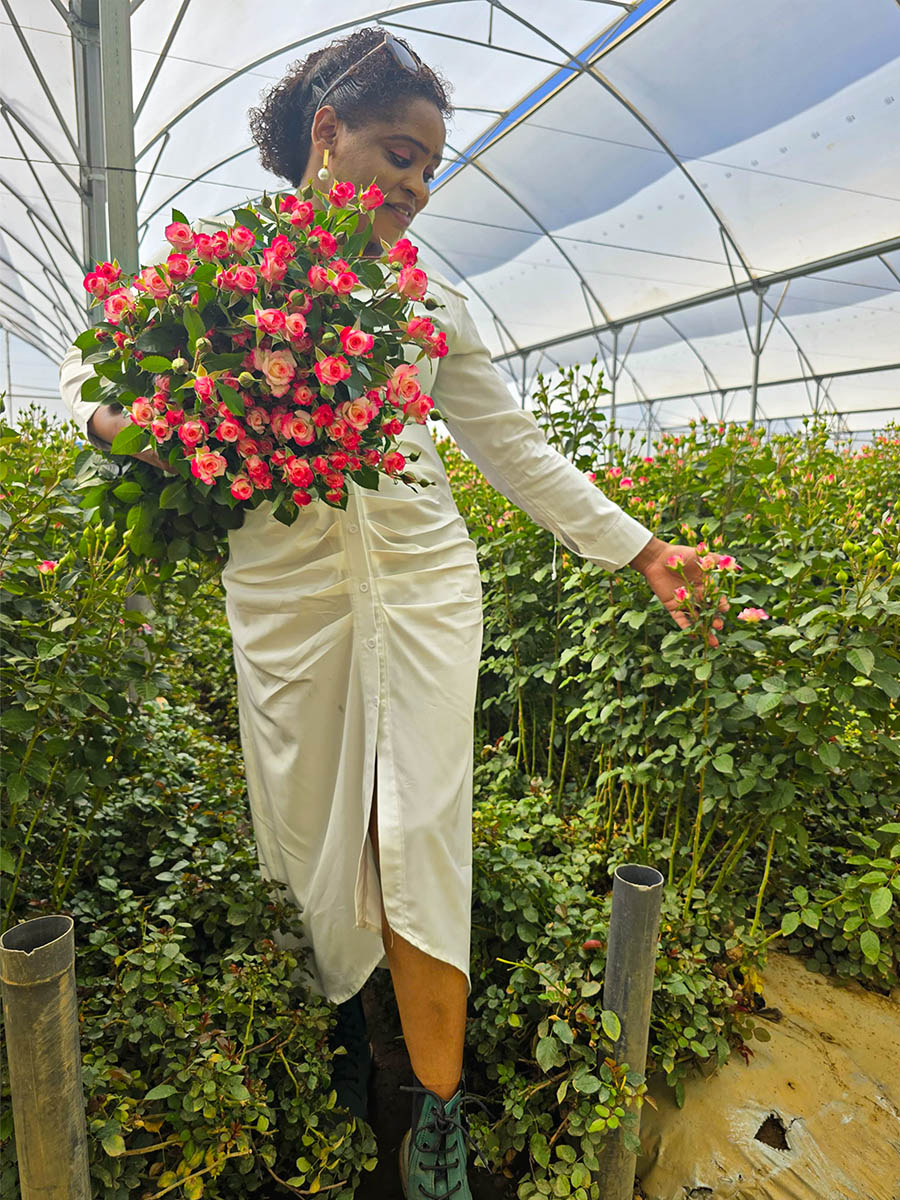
x=40, y=1013
x=628, y=991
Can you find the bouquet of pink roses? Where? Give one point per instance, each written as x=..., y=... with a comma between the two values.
x=263, y=362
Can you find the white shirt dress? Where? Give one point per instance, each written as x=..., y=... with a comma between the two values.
x=357, y=638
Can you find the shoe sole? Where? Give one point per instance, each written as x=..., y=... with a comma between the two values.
x=404, y=1164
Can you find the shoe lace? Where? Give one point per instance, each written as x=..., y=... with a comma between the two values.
x=443, y=1124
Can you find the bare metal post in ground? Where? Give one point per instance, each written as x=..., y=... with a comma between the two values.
x=40, y=1013
x=628, y=991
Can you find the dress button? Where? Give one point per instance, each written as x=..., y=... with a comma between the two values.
x=363, y=587
x=371, y=643
x=353, y=529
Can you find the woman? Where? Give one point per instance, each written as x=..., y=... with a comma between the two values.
x=357, y=634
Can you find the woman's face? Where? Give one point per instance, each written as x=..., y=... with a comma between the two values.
x=400, y=154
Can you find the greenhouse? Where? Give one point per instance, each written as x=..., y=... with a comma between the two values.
x=450, y=675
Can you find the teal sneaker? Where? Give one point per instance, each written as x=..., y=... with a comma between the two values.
x=433, y=1150
x=351, y=1073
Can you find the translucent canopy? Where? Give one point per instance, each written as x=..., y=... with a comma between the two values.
x=706, y=196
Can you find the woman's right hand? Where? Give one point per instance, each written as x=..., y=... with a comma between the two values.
x=110, y=419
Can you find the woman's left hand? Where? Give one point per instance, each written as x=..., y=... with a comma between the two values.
x=664, y=581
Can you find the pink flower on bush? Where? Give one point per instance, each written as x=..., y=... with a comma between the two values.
x=326, y=245
x=244, y=279
x=150, y=280
x=241, y=487
x=332, y=370
x=591, y=476
x=372, y=197
x=204, y=387
x=403, y=253
x=207, y=465
x=97, y=285
x=355, y=341
x=298, y=472
x=180, y=235
x=626, y=482
x=614, y=472
x=646, y=459
x=301, y=498
x=161, y=429
x=393, y=462
x=358, y=412
x=180, y=266
x=47, y=566
x=193, y=432
x=753, y=615
x=283, y=247
x=323, y=416
x=117, y=304
x=727, y=563
x=229, y=430
x=412, y=282
x=274, y=267
x=242, y=239
x=681, y=594
x=318, y=278
x=344, y=283
x=295, y=325
x=270, y=320
x=299, y=426
x=341, y=194
x=418, y=408
x=404, y=382
x=278, y=366
x=142, y=411
x=674, y=561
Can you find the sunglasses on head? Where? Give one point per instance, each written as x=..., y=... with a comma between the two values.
x=402, y=57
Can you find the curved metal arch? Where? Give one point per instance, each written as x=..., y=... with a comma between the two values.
x=9, y=113
x=49, y=336
x=286, y=48
x=53, y=300
x=63, y=234
x=45, y=267
x=145, y=223
x=25, y=335
x=35, y=216
x=635, y=112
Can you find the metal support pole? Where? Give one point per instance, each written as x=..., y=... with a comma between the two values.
x=628, y=991
x=40, y=1013
x=9, y=395
x=118, y=130
x=85, y=25
x=757, y=354
x=615, y=375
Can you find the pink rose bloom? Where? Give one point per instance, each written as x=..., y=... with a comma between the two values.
x=327, y=246
x=175, y=416
x=278, y=366
x=318, y=278
x=412, y=282
x=273, y=268
x=295, y=325
x=371, y=457
x=270, y=320
x=47, y=565
x=257, y=418
x=681, y=594
x=354, y=341
x=372, y=197
x=334, y=479
x=341, y=194
x=404, y=382
x=709, y=562
x=323, y=416
x=193, y=432
x=110, y=271
x=117, y=304
x=242, y=239
x=674, y=561
x=241, y=487
x=420, y=328
x=244, y=279
x=180, y=266
x=344, y=283
x=614, y=472
x=247, y=447
x=161, y=429
x=299, y=301
x=301, y=498
x=393, y=462
x=403, y=253
x=419, y=408
x=591, y=476
x=150, y=280
x=205, y=246
x=332, y=370
x=753, y=615
x=299, y=472
x=302, y=214
x=338, y=460
x=303, y=395
x=207, y=465
x=229, y=430
x=358, y=413
x=204, y=387
x=437, y=346
x=226, y=280
x=727, y=563
x=283, y=247
x=179, y=235
x=97, y=285
x=627, y=482
x=299, y=426
x=392, y=427
x=142, y=411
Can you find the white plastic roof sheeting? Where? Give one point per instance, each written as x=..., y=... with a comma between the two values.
x=667, y=183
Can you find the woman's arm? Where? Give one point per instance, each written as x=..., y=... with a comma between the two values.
x=507, y=445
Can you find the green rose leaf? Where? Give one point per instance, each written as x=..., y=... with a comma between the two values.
x=162, y=1091
x=789, y=923
x=129, y=439
x=870, y=945
x=881, y=901
x=861, y=658
x=113, y=1144
x=612, y=1026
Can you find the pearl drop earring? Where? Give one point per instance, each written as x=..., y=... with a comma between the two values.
x=323, y=173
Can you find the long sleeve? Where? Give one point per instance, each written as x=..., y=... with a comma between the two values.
x=507, y=445
x=72, y=374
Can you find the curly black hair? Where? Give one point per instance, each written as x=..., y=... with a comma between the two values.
x=282, y=124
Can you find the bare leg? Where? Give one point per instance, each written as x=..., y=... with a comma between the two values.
x=431, y=999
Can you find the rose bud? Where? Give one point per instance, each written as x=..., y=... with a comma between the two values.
x=245, y=379
x=112, y=353
x=592, y=944
x=265, y=202
x=180, y=365
x=430, y=303
x=202, y=345
x=329, y=338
